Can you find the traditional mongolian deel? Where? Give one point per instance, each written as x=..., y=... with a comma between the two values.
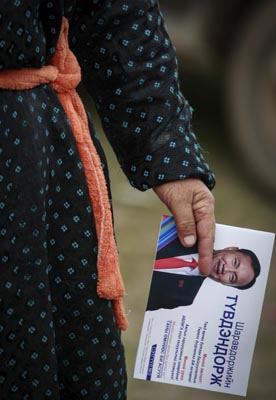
x=58, y=338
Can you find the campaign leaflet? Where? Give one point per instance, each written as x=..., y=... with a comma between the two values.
x=201, y=331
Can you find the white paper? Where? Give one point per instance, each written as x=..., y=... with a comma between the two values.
x=210, y=343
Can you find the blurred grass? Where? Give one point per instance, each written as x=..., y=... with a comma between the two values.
x=137, y=217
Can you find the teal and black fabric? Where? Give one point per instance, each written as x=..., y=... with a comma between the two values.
x=58, y=340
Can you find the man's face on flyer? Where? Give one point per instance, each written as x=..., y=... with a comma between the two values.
x=232, y=267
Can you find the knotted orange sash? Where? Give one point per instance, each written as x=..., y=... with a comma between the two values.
x=64, y=75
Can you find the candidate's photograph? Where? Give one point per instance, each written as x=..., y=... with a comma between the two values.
x=176, y=278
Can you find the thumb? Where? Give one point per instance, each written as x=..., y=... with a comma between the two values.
x=186, y=225
x=178, y=197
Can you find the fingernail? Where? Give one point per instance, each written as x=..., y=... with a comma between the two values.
x=189, y=240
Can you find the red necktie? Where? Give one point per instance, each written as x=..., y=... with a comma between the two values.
x=174, y=262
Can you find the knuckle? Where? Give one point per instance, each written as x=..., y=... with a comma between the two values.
x=187, y=227
x=206, y=205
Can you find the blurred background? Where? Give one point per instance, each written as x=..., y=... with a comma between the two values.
x=229, y=48
x=227, y=63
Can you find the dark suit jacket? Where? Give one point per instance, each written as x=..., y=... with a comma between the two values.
x=170, y=290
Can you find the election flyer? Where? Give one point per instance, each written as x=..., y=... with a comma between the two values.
x=201, y=331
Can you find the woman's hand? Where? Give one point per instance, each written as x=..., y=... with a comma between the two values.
x=192, y=205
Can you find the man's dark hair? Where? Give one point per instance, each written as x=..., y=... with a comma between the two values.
x=255, y=263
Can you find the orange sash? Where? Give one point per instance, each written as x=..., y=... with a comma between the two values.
x=64, y=75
